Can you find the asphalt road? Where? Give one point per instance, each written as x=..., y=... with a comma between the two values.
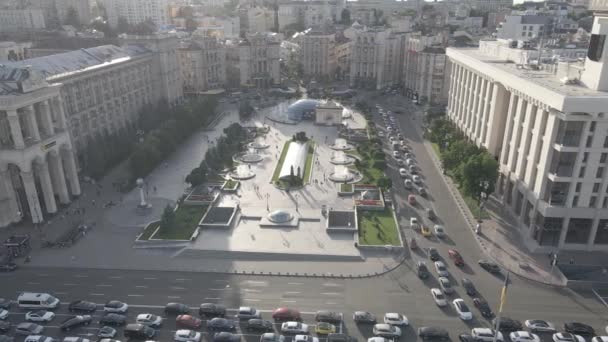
x=398, y=291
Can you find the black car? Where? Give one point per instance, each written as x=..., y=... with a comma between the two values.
x=434, y=254
x=467, y=338
x=256, y=324
x=421, y=270
x=483, y=307
x=82, y=306
x=75, y=321
x=433, y=333
x=5, y=303
x=212, y=310
x=340, y=338
x=579, y=328
x=328, y=316
x=508, y=324
x=176, y=309
x=489, y=266
x=8, y=267
x=5, y=326
x=221, y=324
x=364, y=317
x=469, y=287
x=226, y=337
x=113, y=319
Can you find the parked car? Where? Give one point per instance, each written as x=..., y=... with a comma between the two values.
x=539, y=325
x=28, y=329
x=411, y=199
x=439, y=231
x=489, y=266
x=364, y=317
x=394, y=318
x=106, y=332
x=257, y=324
x=5, y=303
x=414, y=223
x=425, y=231
x=456, y=257
x=434, y=254
x=42, y=338
x=483, y=307
x=324, y=328
x=149, y=320
x=294, y=328
x=386, y=330
x=462, y=309
x=184, y=335
x=579, y=329
x=5, y=326
x=272, y=337
x=247, y=312
x=176, y=309
x=421, y=270
x=567, y=337
x=523, y=336
x=75, y=321
x=82, y=306
x=286, y=314
x=226, y=337
x=445, y=285
x=188, y=321
x=430, y=213
x=433, y=333
x=212, y=310
x=507, y=324
x=116, y=306
x=221, y=324
x=415, y=178
x=39, y=316
x=3, y=314
x=466, y=338
x=469, y=287
x=305, y=338
x=113, y=319
x=439, y=297
x=408, y=185
x=328, y=316
x=421, y=191
x=441, y=269
x=486, y=334
x=403, y=172
x=8, y=267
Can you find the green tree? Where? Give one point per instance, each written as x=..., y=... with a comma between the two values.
x=479, y=174
x=167, y=219
x=384, y=183
x=198, y=175
x=457, y=153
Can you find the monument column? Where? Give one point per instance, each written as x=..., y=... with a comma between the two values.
x=13, y=120
x=47, y=186
x=58, y=177
x=32, y=196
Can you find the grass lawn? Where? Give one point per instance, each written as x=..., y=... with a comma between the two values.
x=309, y=158
x=149, y=230
x=231, y=184
x=436, y=149
x=187, y=218
x=346, y=187
x=473, y=205
x=378, y=228
x=277, y=170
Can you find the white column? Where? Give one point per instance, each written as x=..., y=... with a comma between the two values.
x=7, y=192
x=47, y=118
x=60, y=111
x=30, y=116
x=564, y=232
x=32, y=196
x=524, y=147
x=42, y=169
x=508, y=125
x=58, y=177
x=13, y=120
x=71, y=171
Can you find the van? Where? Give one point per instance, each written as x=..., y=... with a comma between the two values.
x=33, y=300
x=139, y=331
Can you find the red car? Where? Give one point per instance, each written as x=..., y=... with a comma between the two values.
x=411, y=199
x=286, y=314
x=456, y=257
x=187, y=321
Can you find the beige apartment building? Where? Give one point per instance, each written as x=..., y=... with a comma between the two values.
x=318, y=54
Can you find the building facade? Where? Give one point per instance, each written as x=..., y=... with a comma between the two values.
x=14, y=20
x=202, y=65
x=37, y=166
x=259, y=60
x=377, y=58
x=547, y=127
x=137, y=11
x=11, y=51
x=425, y=70
x=524, y=27
x=318, y=54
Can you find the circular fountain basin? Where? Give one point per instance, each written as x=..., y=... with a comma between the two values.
x=342, y=160
x=341, y=177
x=247, y=157
x=242, y=172
x=341, y=145
x=258, y=145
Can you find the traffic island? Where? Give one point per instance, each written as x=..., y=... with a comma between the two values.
x=378, y=228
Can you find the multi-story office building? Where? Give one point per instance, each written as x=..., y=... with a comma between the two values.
x=202, y=64
x=376, y=57
x=318, y=54
x=259, y=60
x=37, y=166
x=137, y=11
x=547, y=127
x=524, y=27
x=56, y=11
x=425, y=69
x=490, y=5
x=343, y=52
x=13, y=20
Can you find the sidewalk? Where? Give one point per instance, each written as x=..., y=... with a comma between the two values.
x=500, y=239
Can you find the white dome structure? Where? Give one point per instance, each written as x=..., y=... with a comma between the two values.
x=280, y=216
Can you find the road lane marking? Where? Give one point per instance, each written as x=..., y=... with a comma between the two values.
x=70, y=284
x=293, y=292
x=177, y=288
x=150, y=278
x=331, y=303
x=81, y=276
x=182, y=279
x=330, y=293
x=222, y=289
x=295, y=283
x=103, y=285
x=251, y=299
x=252, y=290
x=141, y=286
x=134, y=295
x=33, y=283
x=96, y=294
x=332, y=285
x=212, y=298
x=175, y=297
x=115, y=277
x=288, y=301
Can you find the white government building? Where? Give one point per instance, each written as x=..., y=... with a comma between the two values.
x=548, y=128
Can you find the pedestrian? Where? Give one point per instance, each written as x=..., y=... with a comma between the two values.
x=155, y=189
x=571, y=261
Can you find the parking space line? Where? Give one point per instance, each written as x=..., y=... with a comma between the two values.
x=103, y=285
x=295, y=283
x=174, y=297
x=293, y=292
x=141, y=286
x=96, y=294
x=330, y=293
x=212, y=298
x=81, y=276
x=134, y=295
x=33, y=283
x=182, y=279
x=288, y=301
x=115, y=277
x=70, y=284
x=222, y=289
x=251, y=299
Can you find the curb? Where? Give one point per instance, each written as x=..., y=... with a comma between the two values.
x=466, y=212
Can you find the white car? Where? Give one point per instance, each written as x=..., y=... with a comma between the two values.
x=378, y=339
x=39, y=316
x=408, y=184
x=567, y=337
x=294, y=328
x=439, y=231
x=536, y=325
x=3, y=314
x=394, y=318
x=416, y=179
x=438, y=297
x=185, y=335
x=396, y=154
x=409, y=162
x=403, y=172
x=149, y=320
x=414, y=223
x=441, y=269
x=485, y=334
x=38, y=338
x=523, y=336
x=305, y=338
x=75, y=339
x=116, y=306
x=386, y=330
x=462, y=309
x=600, y=339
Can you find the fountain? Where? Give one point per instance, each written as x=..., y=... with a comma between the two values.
x=251, y=156
x=341, y=145
x=242, y=172
x=258, y=144
x=341, y=174
x=341, y=158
